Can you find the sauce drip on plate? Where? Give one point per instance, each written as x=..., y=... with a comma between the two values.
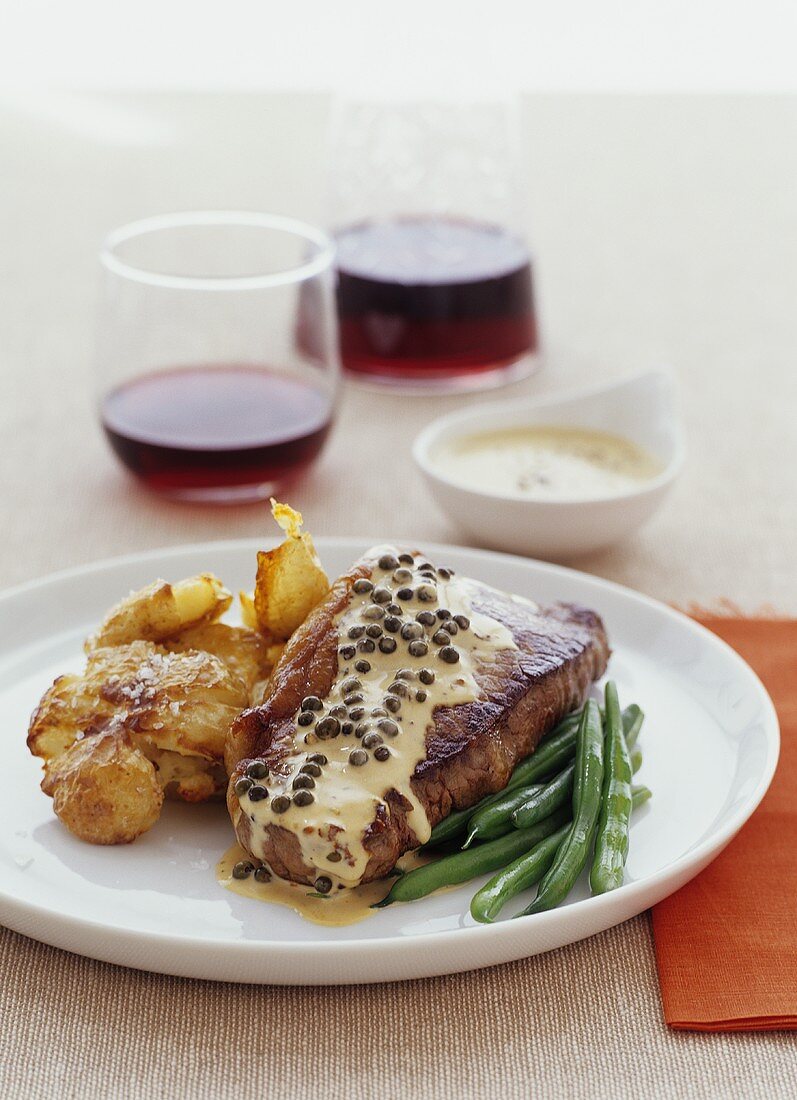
x=335, y=910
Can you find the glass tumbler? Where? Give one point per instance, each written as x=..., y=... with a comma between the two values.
x=217, y=351
x=434, y=286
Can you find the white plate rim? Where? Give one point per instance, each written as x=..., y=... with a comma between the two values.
x=35, y=920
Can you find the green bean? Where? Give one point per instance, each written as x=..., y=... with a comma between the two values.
x=640, y=795
x=516, y=877
x=611, y=837
x=554, y=751
x=574, y=849
x=633, y=717
x=495, y=819
x=635, y=758
x=494, y=812
x=462, y=817
x=449, y=828
x=463, y=866
x=545, y=799
x=556, y=747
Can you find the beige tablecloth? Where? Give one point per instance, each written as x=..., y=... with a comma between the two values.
x=664, y=231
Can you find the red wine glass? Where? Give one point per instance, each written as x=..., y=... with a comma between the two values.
x=434, y=287
x=217, y=352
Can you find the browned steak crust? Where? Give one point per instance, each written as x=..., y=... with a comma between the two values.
x=471, y=749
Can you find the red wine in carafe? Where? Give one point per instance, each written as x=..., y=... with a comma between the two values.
x=433, y=298
x=225, y=432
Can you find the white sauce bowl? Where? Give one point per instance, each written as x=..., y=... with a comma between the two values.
x=642, y=409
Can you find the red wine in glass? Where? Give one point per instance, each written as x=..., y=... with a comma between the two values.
x=216, y=432
x=429, y=299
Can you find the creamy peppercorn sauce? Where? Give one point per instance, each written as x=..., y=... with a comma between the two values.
x=547, y=462
x=333, y=910
x=347, y=793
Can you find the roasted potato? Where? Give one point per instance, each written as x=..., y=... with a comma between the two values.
x=244, y=652
x=290, y=579
x=248, y=613
x=163, y=681
x=181, y=702
x=186, y=778
x=161, y=610
x=104, y=789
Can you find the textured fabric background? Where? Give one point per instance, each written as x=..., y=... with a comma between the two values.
x=664, y=231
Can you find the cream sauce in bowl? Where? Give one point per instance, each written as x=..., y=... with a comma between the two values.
x=546, y=463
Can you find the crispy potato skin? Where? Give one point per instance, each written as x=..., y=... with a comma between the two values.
x=104, y=789
x=182, y=702
x=157, y=612
x=245, y=652
x=290, y=582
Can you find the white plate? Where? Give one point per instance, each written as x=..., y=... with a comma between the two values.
x=710, y=743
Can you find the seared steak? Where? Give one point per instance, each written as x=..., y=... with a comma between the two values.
x=406, y=694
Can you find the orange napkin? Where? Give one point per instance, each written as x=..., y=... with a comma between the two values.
x=726, y=944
